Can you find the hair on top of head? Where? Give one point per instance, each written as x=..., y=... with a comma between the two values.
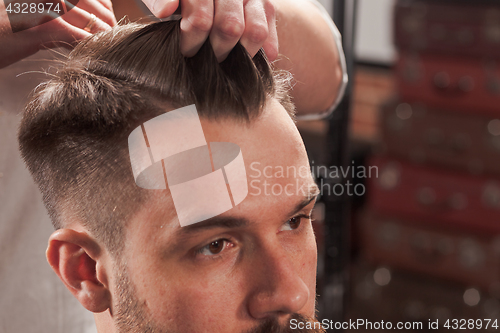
x=73, y=135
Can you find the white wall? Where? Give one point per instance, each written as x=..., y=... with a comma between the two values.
x=374, y=41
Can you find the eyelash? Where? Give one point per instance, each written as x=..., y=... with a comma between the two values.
x=214, y=256
x=301, y=216
x=229, y=241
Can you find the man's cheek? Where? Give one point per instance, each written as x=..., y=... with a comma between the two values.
x=189, y=307
x=312, y=261
x=303, y=253
x=309, y=270
x=309, y=251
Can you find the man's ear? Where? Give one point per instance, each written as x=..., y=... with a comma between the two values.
x=74, y=256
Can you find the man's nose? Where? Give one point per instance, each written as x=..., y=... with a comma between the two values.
x=278, y=289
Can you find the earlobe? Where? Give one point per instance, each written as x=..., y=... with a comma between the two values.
x=74, y=256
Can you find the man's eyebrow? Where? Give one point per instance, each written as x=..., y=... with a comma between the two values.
x=310, y=196
x=229, y=222
x=215, y=222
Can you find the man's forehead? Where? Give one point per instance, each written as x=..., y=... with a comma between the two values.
x=159, y=213
x=271, y=140
x=236, y=220
x=158, y=219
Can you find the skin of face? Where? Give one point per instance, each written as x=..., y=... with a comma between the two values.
x=259, y=263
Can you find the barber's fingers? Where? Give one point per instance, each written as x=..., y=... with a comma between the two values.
x=162, y=8
x=225, y=22
x=260, y=28
x=80, y=18
x=95, y=7
x=58, y=32
x=65, y=30
x=196, y=24
x=271, y=45
x=228, y=27
x=107, y=3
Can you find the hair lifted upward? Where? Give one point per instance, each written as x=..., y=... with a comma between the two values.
x=74, y=132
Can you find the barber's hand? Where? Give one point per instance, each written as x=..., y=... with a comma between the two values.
x=58, y=30
x=225, y=22
x=71, y=27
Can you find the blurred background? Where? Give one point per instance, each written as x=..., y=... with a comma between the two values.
x=417, y=143
x=408, y=222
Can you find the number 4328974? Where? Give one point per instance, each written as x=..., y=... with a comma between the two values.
x=463, y=324
x=32, y=8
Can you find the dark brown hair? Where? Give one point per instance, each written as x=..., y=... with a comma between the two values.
x=73, y=136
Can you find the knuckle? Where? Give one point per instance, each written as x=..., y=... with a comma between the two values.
x=231, y=29
x=257, y=33
x=201, y=21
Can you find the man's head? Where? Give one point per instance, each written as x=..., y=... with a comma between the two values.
x=119, y=248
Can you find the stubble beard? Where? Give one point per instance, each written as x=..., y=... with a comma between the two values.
x=133, y=317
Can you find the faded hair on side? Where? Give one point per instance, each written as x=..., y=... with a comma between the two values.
x=73, y=136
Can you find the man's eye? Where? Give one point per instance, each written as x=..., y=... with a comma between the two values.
x=293, y=223
x=214, y=248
